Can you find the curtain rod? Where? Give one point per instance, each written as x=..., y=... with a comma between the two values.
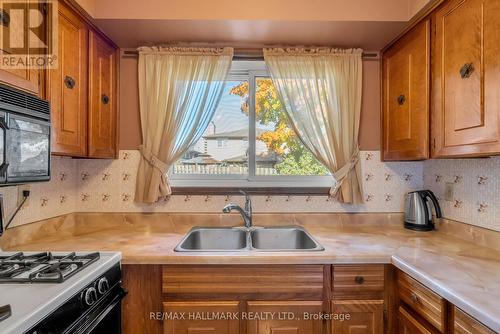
x=253, y=54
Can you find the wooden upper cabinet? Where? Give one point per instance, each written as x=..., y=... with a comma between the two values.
x=284, y=317
x=406, y=76
x=201, y=317
x=466, y=77
x=102, y=97
x=365, y=317
x=29, y=80
x=67, y=86
x=24, y=79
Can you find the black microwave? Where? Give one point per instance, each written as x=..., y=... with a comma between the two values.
x=24, y=137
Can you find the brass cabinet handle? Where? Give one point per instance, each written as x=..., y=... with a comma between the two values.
x=104, y=99
x=466, y=70
x=359, y=279
x=414, y=298
x=401, y=99
x=69, y=82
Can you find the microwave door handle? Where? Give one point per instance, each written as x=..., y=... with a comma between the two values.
x=435, y=201
x=4, y=165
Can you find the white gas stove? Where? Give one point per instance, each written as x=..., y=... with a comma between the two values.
x=60, y=292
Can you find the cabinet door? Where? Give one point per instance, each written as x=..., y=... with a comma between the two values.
x=102, y=98
x=26, y=79
x=362, y=317
x=210, y=317
x=466, y=77
x=406, y=76
x=284, y=317
x=465, y=324
x=67, y=86
x=407, y=324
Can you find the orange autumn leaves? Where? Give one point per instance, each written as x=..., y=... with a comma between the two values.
x=268, y=109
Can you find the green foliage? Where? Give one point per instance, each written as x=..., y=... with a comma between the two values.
x=297, y=160
x=300, y=162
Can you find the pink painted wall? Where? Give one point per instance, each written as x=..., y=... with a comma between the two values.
x=301, y=10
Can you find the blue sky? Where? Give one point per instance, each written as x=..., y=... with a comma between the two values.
x=228, y=116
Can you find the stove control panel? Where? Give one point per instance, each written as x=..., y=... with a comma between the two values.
x=89, y=296
x=102, y=285
x=98, y=302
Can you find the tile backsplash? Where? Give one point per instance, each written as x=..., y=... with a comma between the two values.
x=47, y=199
x=109, y=186
x=84, y=185
x=476, y=189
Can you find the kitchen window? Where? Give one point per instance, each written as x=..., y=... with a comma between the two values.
x=248, y=143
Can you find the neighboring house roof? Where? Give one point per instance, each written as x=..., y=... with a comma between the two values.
x=236, y=134
x=202, y=159
x=192, y=153
x=261, y=157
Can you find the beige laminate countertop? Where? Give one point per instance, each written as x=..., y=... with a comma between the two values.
x=462, y=272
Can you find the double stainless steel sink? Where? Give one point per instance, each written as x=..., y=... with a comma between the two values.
x=271, y=239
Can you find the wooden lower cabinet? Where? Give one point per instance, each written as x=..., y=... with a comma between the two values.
x=143, y=283
x=358, y=316
x=426, y=303
x=201, y=317
x=407, y=324
x=284, y=317
x=465, y=324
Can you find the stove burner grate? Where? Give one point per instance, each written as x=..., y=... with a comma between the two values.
x=42, y=267
x=8, y=269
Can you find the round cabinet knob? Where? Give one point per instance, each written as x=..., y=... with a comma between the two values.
x=414, y=298
x=104, y=99
x=401, y=99
x=359, y=279
x=90, y=296
x=102, y=285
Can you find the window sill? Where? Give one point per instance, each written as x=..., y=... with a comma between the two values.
x=307, y=191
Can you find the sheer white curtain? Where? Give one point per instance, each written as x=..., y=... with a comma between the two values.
x=321, y=91
x=179, y=90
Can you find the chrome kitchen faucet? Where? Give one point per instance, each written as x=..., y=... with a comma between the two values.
x=246, y=213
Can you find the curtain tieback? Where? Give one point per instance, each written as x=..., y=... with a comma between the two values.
x=342, y=173
x=153, y=160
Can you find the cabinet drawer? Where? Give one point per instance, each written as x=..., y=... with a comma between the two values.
x=407, y=324
x=465, y=324
x=354, y=282
x=426, y=303
x=283, y=281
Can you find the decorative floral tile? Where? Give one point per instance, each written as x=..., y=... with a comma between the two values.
x=476, y=183
x=86, y=185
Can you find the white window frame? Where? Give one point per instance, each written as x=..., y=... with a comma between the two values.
x=250, y=70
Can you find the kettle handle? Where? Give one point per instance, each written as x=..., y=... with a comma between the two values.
x=434, y=200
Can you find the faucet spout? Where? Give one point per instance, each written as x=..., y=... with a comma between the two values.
x=246, y=213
